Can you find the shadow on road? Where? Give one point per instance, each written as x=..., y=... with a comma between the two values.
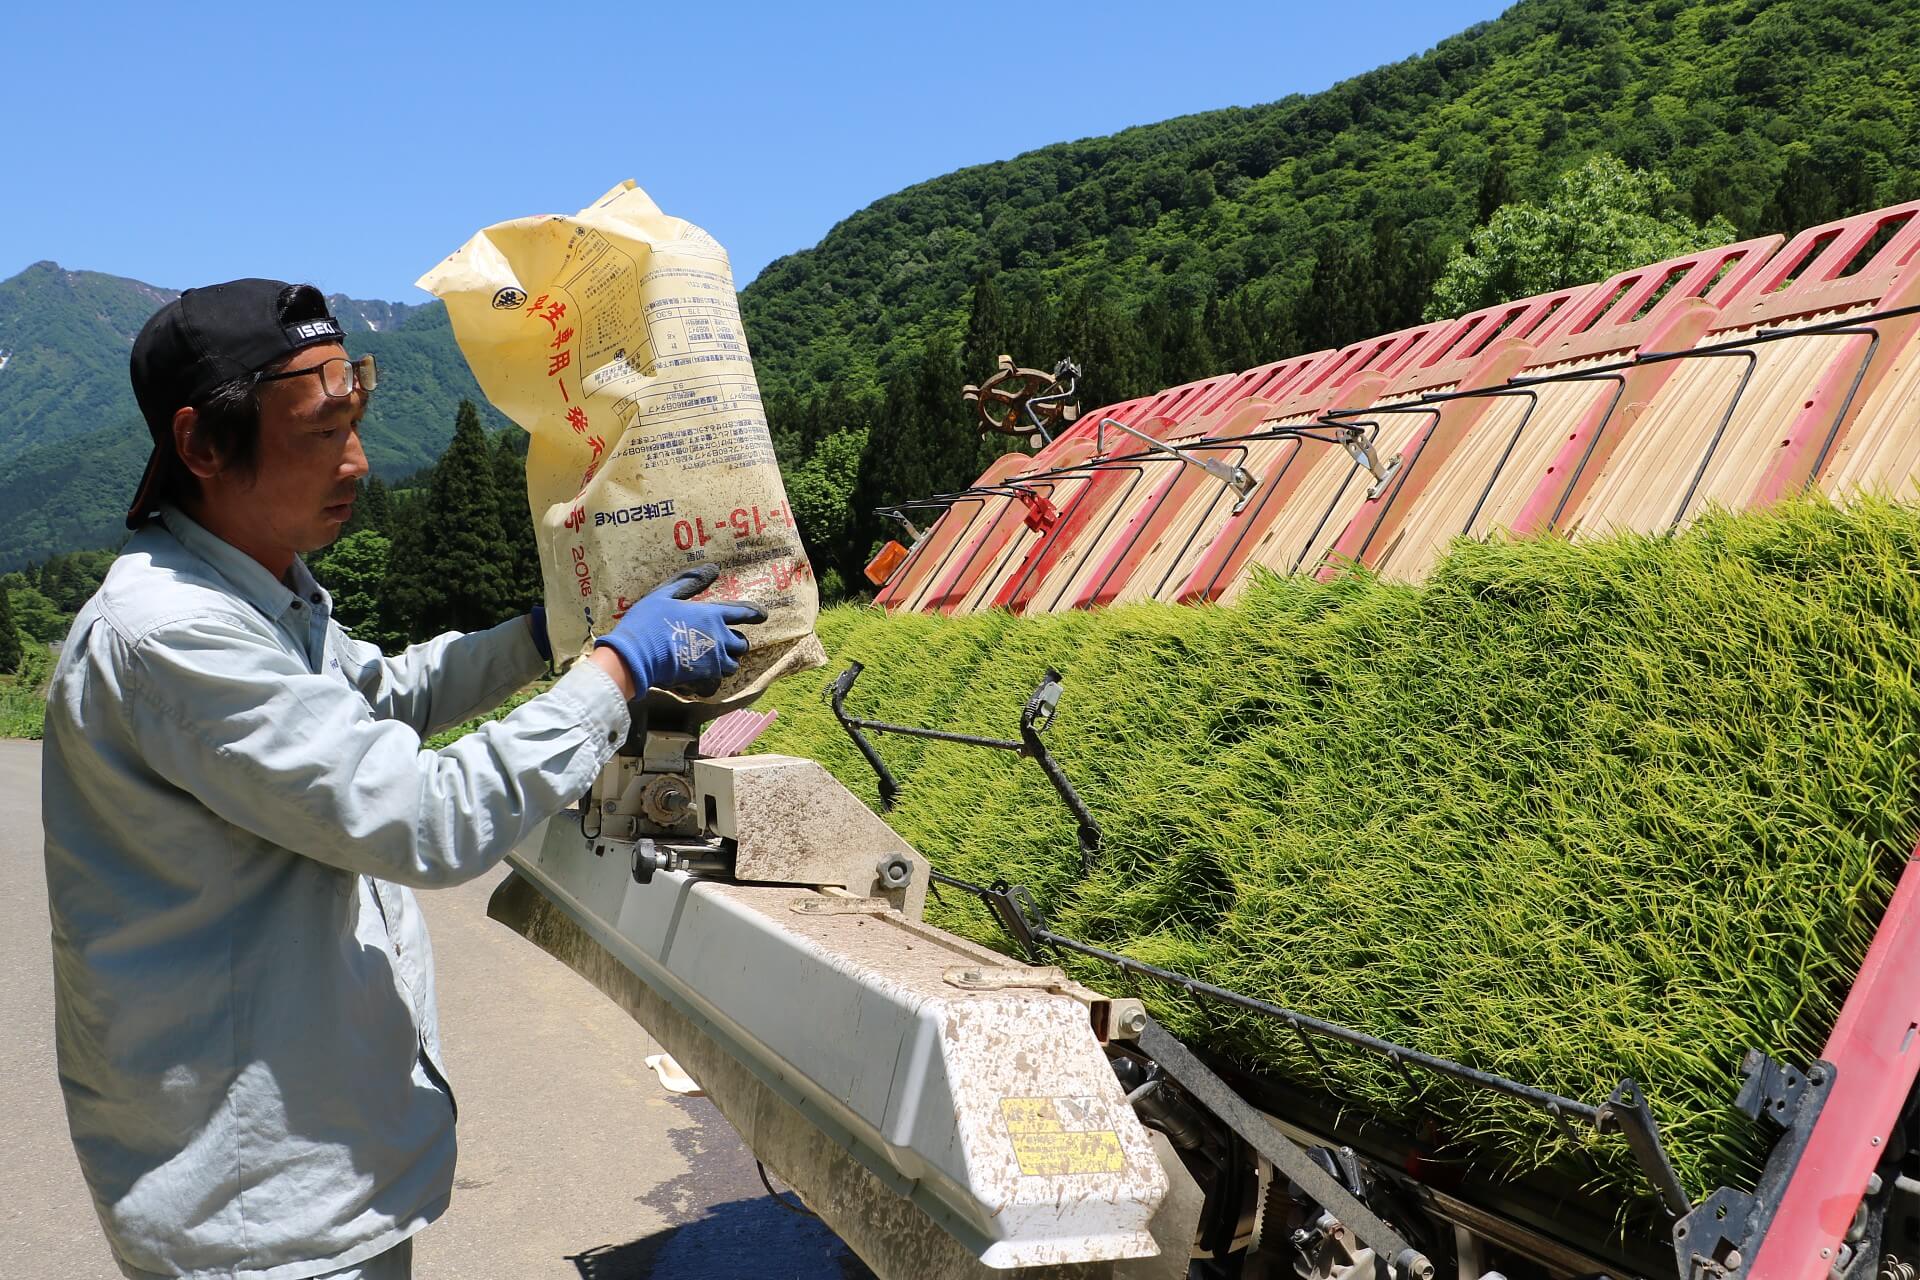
x=725, y=1226
x=751, y=1239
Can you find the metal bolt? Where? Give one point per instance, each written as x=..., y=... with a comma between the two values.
x=895, y=871
x=1135, y=1023
x=1876, y=1142
x=972, y=975
x=1826, y=1253
x=1733, y=1259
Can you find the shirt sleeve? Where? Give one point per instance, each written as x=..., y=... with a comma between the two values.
x=223, y=712
x=446, y=680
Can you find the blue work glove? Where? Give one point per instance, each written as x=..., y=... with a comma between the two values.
x=669, y=641
x=538, y=620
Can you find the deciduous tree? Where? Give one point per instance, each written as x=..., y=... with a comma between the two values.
x=1602, y=217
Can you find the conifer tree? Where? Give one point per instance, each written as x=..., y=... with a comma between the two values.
x=516, y=518
x=923, y=442
x=10, y=650
x=451, y=570
x=372, y=508
x=409, y=576
x=1496, y=188
x=463, y=524
x=1188, y=348
x=987, y=338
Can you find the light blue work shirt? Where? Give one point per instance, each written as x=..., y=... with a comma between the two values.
x=236, y=801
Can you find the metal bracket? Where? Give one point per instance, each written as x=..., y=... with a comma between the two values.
x=824, y=905
x=1722, y=1234
x=1017, y=914
x=896, y=514
x=1236, y=478
x=1210, y=1091
x=1359, y=447
x=1772, y=1089
x=1112, y=1018
x=1035, y=717
x=982, y=977
x=1626, y=1110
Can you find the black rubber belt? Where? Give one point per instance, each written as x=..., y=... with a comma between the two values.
x=1178, y=1062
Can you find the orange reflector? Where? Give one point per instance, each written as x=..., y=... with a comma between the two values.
x=881, y=567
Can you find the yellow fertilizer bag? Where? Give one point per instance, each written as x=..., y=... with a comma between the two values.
x=614, y=337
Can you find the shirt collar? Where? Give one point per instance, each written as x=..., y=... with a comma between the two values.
x=248, y=577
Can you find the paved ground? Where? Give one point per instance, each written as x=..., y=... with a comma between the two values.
x=574, y=1162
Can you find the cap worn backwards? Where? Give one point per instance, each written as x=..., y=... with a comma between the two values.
x=210, y=336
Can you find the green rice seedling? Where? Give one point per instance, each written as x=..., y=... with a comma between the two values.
x=1570, y=812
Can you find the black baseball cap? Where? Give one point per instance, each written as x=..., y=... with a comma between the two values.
x=209, y=336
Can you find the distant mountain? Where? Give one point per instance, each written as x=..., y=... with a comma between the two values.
x=66, y=335
x=358, y=316
x=71, y=439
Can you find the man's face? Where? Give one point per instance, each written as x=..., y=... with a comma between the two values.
x=310, y=457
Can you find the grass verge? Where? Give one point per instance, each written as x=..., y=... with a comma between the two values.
x=23, y=695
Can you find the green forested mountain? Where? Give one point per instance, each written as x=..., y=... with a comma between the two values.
x=71, y=439
x=1222, y=240
x=1774, y=113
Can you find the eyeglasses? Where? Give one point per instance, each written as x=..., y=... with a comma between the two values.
x=338, y=376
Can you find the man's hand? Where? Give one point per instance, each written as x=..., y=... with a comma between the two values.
x=667, y=640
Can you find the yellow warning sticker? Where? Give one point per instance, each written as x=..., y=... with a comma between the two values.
x=1046, y=1147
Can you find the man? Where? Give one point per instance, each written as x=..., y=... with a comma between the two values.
x=237, y=801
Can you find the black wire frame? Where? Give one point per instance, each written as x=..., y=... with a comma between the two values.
x=1612, y=372
x=1624, y=1112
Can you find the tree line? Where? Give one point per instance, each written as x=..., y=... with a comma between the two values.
x=845, y=455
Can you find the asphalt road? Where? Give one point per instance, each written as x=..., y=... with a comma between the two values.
x=574, y=1163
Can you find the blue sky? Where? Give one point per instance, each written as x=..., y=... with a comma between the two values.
x=184, y=144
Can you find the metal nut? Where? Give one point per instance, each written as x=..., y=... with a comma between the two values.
x=1135, y=1022
x=665, y=798
x=895, y=871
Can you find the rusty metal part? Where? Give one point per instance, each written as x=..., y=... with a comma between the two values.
x=665, y=798
x=1025, y=402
